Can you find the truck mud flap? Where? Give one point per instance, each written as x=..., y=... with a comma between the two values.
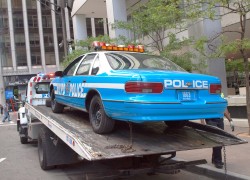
x=52, y=151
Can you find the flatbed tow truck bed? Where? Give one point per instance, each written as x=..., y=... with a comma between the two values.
x=74, y=129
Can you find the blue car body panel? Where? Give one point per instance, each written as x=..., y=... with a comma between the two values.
x=185, y=96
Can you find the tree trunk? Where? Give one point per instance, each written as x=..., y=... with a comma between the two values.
x=247, y=91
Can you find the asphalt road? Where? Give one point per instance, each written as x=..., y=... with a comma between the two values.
x=19, y=162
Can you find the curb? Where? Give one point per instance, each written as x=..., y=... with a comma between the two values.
x=214, y=173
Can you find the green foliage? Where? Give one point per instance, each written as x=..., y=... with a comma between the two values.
x=236, y=65
x=177, y=51
x=72, y=56
x=84, y=46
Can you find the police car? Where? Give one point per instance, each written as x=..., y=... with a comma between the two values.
x=135, y=87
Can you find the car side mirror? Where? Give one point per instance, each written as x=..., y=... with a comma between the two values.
x=58, y=74
x=95, y=71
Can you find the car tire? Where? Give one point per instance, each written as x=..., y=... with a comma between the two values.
x=100, y=122
x=176, y=124
x=55, y=106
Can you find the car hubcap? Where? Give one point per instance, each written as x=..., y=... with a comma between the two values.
x=98, y=117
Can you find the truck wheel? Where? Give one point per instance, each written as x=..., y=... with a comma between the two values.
x=43, y=148
x=100, y=122
x=48, y=102
x=176, y=124
x=55, y=106
x=24, y=140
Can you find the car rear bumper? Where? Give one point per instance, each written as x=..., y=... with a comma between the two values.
x=146, y=112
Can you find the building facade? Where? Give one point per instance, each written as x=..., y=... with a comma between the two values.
x=31, y=41
x=114, y=10
x=30, y=32
x=31, y=35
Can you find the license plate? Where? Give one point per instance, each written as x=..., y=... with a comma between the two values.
x=186, y=95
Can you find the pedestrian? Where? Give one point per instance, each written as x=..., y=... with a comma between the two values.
x=1, y=108
x=219, y=122
x=6, y=114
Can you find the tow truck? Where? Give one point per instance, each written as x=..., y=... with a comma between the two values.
x=131, y=149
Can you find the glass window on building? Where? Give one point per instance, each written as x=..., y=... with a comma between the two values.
x=16, y=4
x=32, y=21
x=31, y=4
x=36, y=60
x=21, y=57
x=19, y=40
x=18, y=21
x=47, y=22
x=58, y=22
x=6, y=59
x=6, y=40
x=50, y=59
x=3, y=4
x=45, y=4
x=34, y=40
x=4, y=23
x=89, y=28
x=48, y=40
x=99, y=28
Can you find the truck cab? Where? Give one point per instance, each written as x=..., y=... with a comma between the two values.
x=37, y=92
x=38, y=89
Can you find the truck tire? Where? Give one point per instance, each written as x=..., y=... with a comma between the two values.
x=24, y=140
x=23, y=132
x=100, y=122
x=48, y=102
x=55, y=106
x=176, y=124
x=43, y=148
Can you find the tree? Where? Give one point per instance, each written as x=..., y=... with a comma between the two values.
x=159, y=21
x=85, y=46
x=154, y=19
x=240, y=9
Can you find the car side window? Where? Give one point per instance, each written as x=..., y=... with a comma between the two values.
x=85, y=65
x=69, y=71
x=42, y=88
x=96, y=66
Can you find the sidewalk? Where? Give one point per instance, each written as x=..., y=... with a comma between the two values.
x=237, y=156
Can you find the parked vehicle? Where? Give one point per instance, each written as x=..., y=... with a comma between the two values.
x=131, y=149
x=135, y=87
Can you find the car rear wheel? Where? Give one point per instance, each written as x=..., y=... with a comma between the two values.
x=100, y=122
x=176, y=124
x=55, y=106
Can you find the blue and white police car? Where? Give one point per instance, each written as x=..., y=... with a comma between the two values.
x=135, y=87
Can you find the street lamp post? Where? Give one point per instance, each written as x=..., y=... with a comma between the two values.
x=65, y=44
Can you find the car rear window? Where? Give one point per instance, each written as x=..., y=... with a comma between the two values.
x=119, y=61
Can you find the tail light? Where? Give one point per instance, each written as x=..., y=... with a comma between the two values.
x=215, y=89
x=143, y=87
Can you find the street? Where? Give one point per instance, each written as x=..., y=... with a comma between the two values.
x=19, y=161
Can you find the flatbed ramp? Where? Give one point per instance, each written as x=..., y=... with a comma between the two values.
x=74, y=128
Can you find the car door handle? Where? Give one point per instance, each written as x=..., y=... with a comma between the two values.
x=84, y=81
x=68, y=81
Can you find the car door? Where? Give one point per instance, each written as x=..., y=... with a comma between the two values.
x=77, y=83
x=65, y=81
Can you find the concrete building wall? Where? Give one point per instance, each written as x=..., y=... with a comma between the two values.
x=37, y=49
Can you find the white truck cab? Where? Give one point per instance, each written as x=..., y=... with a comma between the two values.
x=38, y=89
x=36, y=94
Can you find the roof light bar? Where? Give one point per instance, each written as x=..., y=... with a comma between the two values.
x=111, y=47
